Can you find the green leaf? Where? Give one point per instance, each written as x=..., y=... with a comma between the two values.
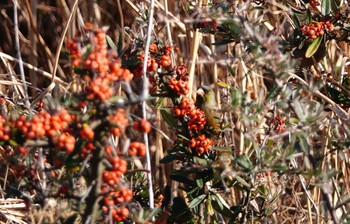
x=308, y=16
x=338, y=97
x=222, y=149
x=13, y=143
x=273, y=93
x=311, y=50
x=244, y=163
x=236, y=97
x=221, y=207
x=210, y=206
x=242, y=181
x=182, y=136
x=154, y=212
x=303, y=144
x=326, y=7
x=296, y=21
x=111, y=43
x=168, y=158
x=159, y=102
x=197, y=201
x=168, y=118
x=199, y=183
x=279, y=167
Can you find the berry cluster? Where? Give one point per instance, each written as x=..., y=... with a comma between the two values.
x=201, y=145
x=97, y=60
x=114, y=201
x=179, y=86
x=99, y=89
x=158, y=57
x=194, y=116
x=152, y=65
x=87, y=133
x=74, y=48
x=44, y=124
x=143, y=126
x=277, y=124
x=118, y=122
x=105, y=68
x=4, y=130
x=87, y=148
x=193, y=120
x=137, y=149
x=115, y=196
x=119, y=167
x=66, y=142
x=314, y=30
x=164, y=59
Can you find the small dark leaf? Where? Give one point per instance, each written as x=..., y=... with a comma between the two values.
x=168, y=158
x=223, y=42
x=167, y=197
x=296, y=21
x=168, y=118
x=338, y=96
x=309, y=16
x=180, y=212
x=181, y=179
x=71, y=219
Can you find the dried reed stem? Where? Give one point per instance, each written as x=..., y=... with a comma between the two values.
x=145, y=94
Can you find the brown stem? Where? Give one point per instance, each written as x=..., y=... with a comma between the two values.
x=90, y=213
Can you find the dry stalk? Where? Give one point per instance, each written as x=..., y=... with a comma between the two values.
x=145, y=94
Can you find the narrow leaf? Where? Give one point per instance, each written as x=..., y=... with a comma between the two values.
x=242, y=181
x=311, y=50
x=197, y=201
x=168, y=118
x=154, y=212
x=111, y=43
x=222, y=149
x=326, y=7
x=221, y=207
x=168, y=158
